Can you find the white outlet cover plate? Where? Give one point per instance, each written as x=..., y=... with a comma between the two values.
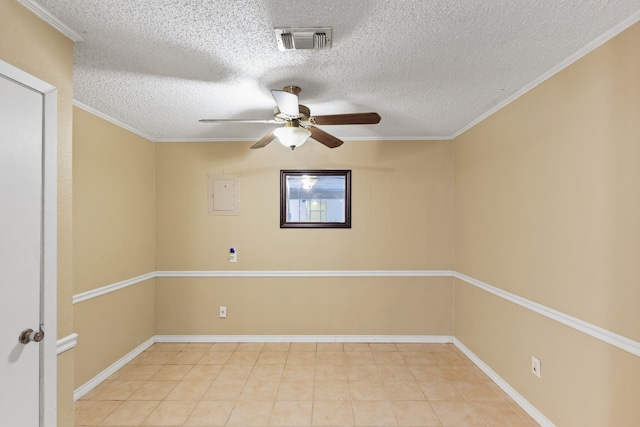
x=535, y=366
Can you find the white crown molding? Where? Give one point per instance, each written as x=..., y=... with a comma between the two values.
x=590, y=329
x=95, y=381
x=397, y=138
x=428, y=339
x=513, y=394
x=47, y=17
x=345, y=138
x=593, y=45
x=177, y=140
x=309, y=273
x=84, y=296
x=66, y=343
x=110, y=119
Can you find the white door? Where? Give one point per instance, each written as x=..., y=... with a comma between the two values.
x=21, y=237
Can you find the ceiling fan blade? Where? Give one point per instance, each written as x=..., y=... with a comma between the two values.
x=346, y=119
x=265, y=140
x=237, y=121
x=324, y=138
x=287, y=102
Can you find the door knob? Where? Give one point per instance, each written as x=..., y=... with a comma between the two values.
x=29, y=335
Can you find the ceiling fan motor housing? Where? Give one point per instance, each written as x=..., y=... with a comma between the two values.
x=299, y=123
x=304, y=115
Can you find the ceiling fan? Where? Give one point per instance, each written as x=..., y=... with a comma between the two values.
x=299, y=123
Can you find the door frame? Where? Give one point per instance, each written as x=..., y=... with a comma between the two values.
x=49, y=269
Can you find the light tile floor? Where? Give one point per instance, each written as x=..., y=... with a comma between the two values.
x=299, y=384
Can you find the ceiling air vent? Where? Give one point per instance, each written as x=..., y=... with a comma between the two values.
x=303, y=38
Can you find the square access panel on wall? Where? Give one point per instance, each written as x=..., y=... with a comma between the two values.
x=224, y=194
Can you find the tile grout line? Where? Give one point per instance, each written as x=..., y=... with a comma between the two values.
x=342, y=361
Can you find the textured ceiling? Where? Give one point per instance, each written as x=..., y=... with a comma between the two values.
x=429, y=68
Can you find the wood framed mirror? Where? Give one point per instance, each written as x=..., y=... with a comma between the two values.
x=315, y=199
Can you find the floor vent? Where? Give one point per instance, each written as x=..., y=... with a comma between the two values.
x=303, y=38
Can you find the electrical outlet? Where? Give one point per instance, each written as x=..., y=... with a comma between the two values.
x=535, y=366
x=233, y=255
x=223, y=312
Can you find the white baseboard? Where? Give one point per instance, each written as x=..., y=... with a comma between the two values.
x=95, y=381
x=98, y=379
x=429, y=339
x=513, y=394
x=432, y=339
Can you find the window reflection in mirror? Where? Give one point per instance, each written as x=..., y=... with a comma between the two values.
x=315, y=199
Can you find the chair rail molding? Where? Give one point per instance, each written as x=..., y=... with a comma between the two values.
x=66, y=343
x=605, y=335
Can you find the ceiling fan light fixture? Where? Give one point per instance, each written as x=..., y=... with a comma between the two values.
x=292, y=136
x=290, y=112
x=308, y=182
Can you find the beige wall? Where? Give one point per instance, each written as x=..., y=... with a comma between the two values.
x=114, y=203
x=401, y=220
x=585, y=382
x=547, y=206
x=305, y=306
x=114, y=240
x=111, y=326
x=401, y=189
x=28, y=43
